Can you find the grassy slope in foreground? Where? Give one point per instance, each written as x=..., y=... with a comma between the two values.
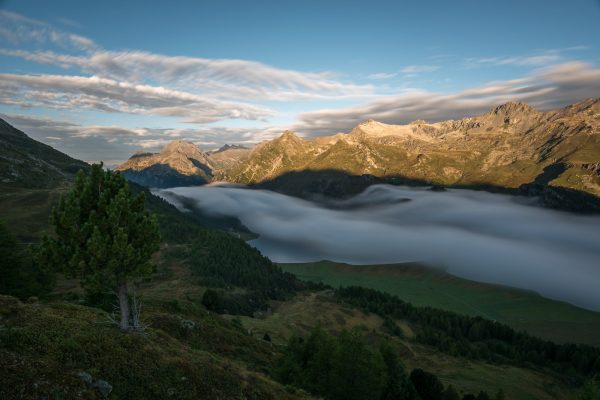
x=523, y=310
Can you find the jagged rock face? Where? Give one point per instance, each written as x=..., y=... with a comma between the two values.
x=508, y=146
x=269, y=159
x=227, y=156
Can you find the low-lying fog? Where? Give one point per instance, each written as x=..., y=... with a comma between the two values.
x=476, y=235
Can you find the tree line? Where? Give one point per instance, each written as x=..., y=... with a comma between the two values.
x=476, y=337
x=226, y=264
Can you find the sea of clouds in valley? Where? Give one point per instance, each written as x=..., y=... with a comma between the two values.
x=476, y=235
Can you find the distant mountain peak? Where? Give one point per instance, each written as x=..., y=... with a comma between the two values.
x=179, y=163
x=513, y=107
x=226, y=147
x=288, y=133
x=369, y=122
x=183, y=147
x=289, y=136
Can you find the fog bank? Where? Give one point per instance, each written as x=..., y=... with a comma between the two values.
x=476, y=235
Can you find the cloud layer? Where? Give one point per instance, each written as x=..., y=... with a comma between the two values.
x=476, y=235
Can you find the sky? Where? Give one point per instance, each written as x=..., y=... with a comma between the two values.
x=101, y=80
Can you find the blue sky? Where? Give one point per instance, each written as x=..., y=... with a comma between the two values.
x=102, y=79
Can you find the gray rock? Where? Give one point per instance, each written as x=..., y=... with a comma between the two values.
x=187, y=324
x=104, y=388
x=84, y=376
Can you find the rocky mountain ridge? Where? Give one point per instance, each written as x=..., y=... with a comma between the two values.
x=510, y=146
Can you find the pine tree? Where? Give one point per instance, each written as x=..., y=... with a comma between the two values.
x=397, y=385
x=428, y=385
x=103, y=234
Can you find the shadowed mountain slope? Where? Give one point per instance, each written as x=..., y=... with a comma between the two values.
x=27, y=163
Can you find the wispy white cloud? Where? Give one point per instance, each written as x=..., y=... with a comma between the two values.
x=103, y=94
x=18, y=29
x=541, y=59
x=221, y=78
x=408, y=71
x=239, y=79
x=383, y=75
x=418, y=69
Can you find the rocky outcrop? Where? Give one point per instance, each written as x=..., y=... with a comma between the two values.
x=227, y=156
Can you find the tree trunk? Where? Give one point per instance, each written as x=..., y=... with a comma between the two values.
x=124, y=306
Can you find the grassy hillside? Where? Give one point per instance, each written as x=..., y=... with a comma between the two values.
x=185, y=355
x=27, y=211
x=26, y=163
x=301, y=314
x=522, y=310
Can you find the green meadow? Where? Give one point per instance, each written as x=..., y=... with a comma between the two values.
x=423, y=286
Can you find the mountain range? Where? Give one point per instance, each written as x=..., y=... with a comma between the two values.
x=513, y=146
